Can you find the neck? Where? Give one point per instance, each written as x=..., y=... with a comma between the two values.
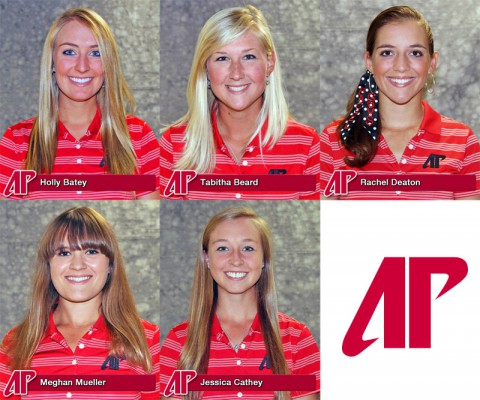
x=237, y=126
x=78, y=113
x=77, y=314
x=236, y=307
x=401, y=116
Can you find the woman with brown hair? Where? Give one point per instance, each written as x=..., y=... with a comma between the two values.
x=388, y=127
x=234, y=326
x=83, y=123
x=82, y=318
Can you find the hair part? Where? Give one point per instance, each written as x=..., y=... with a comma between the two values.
x=359, y=141
x=81, y=228
x=221, y=29
x=203, y=300
x=114, y=100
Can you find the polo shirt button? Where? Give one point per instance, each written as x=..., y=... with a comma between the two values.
x=69, y=395
x=90, y=332
x=238, y=195
x=239, y=394
x=79, y=161
x=74, y=362
x=411, y=146
x=404, y=161
x=81, y=345
x=250, y=149
x=398, y=192
x=244, y=162
x=242, y=346
x=239, y=362
x=77, y=146
x=79, y=192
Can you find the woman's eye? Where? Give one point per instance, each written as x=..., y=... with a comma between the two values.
x=248, y=248
x=63, y=253
x=92, y=251
x=417, y=53
x=250, y=57
x=386, y=53
x=68, y=52
x=95, y=53
x=222, y=248
x=221, y=58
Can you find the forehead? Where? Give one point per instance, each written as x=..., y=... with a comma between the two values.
x=245, y=42
x=239, y=228
x=77, y=33
x=406, y=31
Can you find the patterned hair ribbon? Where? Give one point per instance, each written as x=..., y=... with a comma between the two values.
x=364, y=106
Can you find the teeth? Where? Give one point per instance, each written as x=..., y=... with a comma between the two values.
x=236, y=275
x=78, y=278
x=237, y=88
x=401, y=81
x=81, y=80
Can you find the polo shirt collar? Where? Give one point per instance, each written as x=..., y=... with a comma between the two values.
x=220, y=144
x=218, y=333
x=99, y=325
x=92, y=130
x=432, y=120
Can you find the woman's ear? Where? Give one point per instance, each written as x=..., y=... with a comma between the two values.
x=368, y=61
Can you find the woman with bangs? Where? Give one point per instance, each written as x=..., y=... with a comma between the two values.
x=82, y=318
x=388, y=127
x=234, y=327
x=238, y=121
x=82, y=124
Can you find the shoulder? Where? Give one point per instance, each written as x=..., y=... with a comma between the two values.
x=331, y=129
x=150, y=328
x=299, y=130
x=179, y=331
x=174, y=132
x=287, y=322
x=21, y=129
x=435, y=121
x=137, y=126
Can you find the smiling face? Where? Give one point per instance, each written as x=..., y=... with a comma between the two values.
x=79, y=276
x=77, y=64
x=235, y=256
x=238, y=73
x=401, y=62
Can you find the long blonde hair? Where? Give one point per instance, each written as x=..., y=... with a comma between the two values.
x=221, y=29
x=203, y=299
x=114, y=100
x=82, y=227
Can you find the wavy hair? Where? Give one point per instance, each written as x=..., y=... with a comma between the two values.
x=81, y=227
x=203, y=299
x=223, y=28
x=114, y=100
x=359, y=141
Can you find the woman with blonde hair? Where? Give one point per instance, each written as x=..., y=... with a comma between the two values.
x=234, y=326
x=81, y=319
x=389, y=128
x=82, y=124
x=238, y=121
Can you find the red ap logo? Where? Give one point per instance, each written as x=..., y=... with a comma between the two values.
x=338, y=183
x=389, y=282
x=178, y=383
x=18, y=182
x=178, y=183
x=18, y=382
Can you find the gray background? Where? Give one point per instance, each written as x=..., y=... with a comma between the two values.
x=296, y=230
x=136, y=224
x=456, y=30
x=24, y=25
x=295, y=26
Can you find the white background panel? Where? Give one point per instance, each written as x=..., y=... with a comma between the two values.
x=355, y=238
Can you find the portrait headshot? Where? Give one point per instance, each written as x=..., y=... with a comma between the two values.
x=243, y=294
x=83, y=78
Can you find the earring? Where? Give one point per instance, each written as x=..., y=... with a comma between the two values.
x=267, y=80
x=430, y=84
x=209, y=86
x=364, y=107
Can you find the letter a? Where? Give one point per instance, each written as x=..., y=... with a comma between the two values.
x=389, y=282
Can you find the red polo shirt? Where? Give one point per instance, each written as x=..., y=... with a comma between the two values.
x=437, y=135
x=82, y=156
x=54, y=357
x=301, y=353
x=297, y=152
